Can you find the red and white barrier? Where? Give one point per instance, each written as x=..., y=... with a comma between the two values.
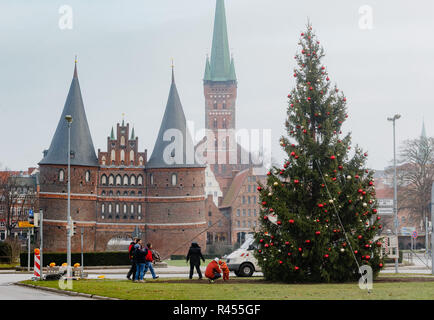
x=37, y=265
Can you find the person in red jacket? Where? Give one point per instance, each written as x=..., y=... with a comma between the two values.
x=225, y=270
x=131, y=249
x=213, y=271
x=148, y=263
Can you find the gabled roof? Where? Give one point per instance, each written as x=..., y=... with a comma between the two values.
x=220, y=65
x=82, y=149
x=234, y=188
x=173, y=132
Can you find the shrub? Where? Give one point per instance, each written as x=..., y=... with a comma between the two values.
x=5, y=252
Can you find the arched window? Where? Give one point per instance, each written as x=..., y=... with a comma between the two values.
x=87, y=176
x=118, y=193
x=133, y=180
x=61, y=175
x=139, y=208
x=110, y=192
x=103, y=193
x=215, y=123
x=224, y=105
x=132, y=193
x=103, y=160
x=224, y=123
x=122, y=155
x=111, y=180
x=122, y=140
x=103, y=179
x=103, y=208
x=132, y=157
x=117, y=207
x=151, y=179
x=140, y=180
x=174, y=179
x=125, y=180
x=140, y=161
x=118, y=180
x=132, y=208
x=215, y=104
x=125, y=208
x=113, y=155
x=110, y=208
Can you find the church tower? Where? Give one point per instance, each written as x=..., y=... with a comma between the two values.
x=84, y=176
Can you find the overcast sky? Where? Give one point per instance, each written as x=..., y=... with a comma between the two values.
x=125, y=48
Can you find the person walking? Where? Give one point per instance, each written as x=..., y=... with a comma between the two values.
x=194, y=255
x=131, y=249
x=213, y=271
x=149, y=259
x=140, y=254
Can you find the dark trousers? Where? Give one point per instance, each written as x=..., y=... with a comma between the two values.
x=132, y=271
x=197, y=266
x=216, y=276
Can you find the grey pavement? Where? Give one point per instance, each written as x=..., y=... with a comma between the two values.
x=9, y=291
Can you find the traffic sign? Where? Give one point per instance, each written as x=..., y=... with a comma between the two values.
x=25, y=224
x=414, y=234
x=30, y=213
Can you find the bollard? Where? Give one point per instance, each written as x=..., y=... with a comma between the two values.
x=37, y=265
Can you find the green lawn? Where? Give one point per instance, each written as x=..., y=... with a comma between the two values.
x=255, y=289
x=182, y=263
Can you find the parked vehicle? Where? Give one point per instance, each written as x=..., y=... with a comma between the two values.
x=242, y=261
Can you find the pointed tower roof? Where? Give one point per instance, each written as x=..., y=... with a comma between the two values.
x=82, y=149
x=220, y=65
x=112, y=134
x=173, y=127
x=423, y=134
x=207, y=76
x=133, y=136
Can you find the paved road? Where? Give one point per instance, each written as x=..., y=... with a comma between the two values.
x=9, y=291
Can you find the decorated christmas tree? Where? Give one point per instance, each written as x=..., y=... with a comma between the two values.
x=318, y=219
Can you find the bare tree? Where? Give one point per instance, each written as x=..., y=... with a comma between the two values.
x=415, y=175
x=16, y=198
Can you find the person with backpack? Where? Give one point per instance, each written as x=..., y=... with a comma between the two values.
x=149, y=259
x=140, y=254
x=194, y=255
x=131, y=250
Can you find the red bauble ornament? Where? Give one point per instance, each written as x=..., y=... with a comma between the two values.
x=307, y=241
x=268, y=173
x=266, y=245
x=380, y=265
x=300, y=249
x=280, y=261
x=291, y=221
x=287, y=242
x=296, y=268
x=265, y=218
x=318, y=233
x=355, y=251
x=262, y=240
x=359, y=237
x=296, y=181
x=264, y=203
x=327, y=78
x=259, y=188
x=279, y=222
x=332, y=157
x=326, y=256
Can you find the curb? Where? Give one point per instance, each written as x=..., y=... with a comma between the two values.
x=64, y=292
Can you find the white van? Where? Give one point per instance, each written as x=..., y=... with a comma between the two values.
x=242, y=261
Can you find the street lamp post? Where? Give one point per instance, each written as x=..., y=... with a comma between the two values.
x=395, y=201
x=68, y=119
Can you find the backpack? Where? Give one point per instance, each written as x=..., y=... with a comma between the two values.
x=156, y=256
x=131, y=251
x=149, y=255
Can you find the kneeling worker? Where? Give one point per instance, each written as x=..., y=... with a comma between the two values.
x=213, y=271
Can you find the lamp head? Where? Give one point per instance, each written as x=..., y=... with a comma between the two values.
x=68, y=118
x=397, y=116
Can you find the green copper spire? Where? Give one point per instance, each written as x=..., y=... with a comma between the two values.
x=133, y=136
x=423, y=135
x=220, y=65
x=232, y=74
x=207, y=76
x=112, y=135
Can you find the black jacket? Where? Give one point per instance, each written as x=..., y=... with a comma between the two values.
x=140, y=255
x=194, y=254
